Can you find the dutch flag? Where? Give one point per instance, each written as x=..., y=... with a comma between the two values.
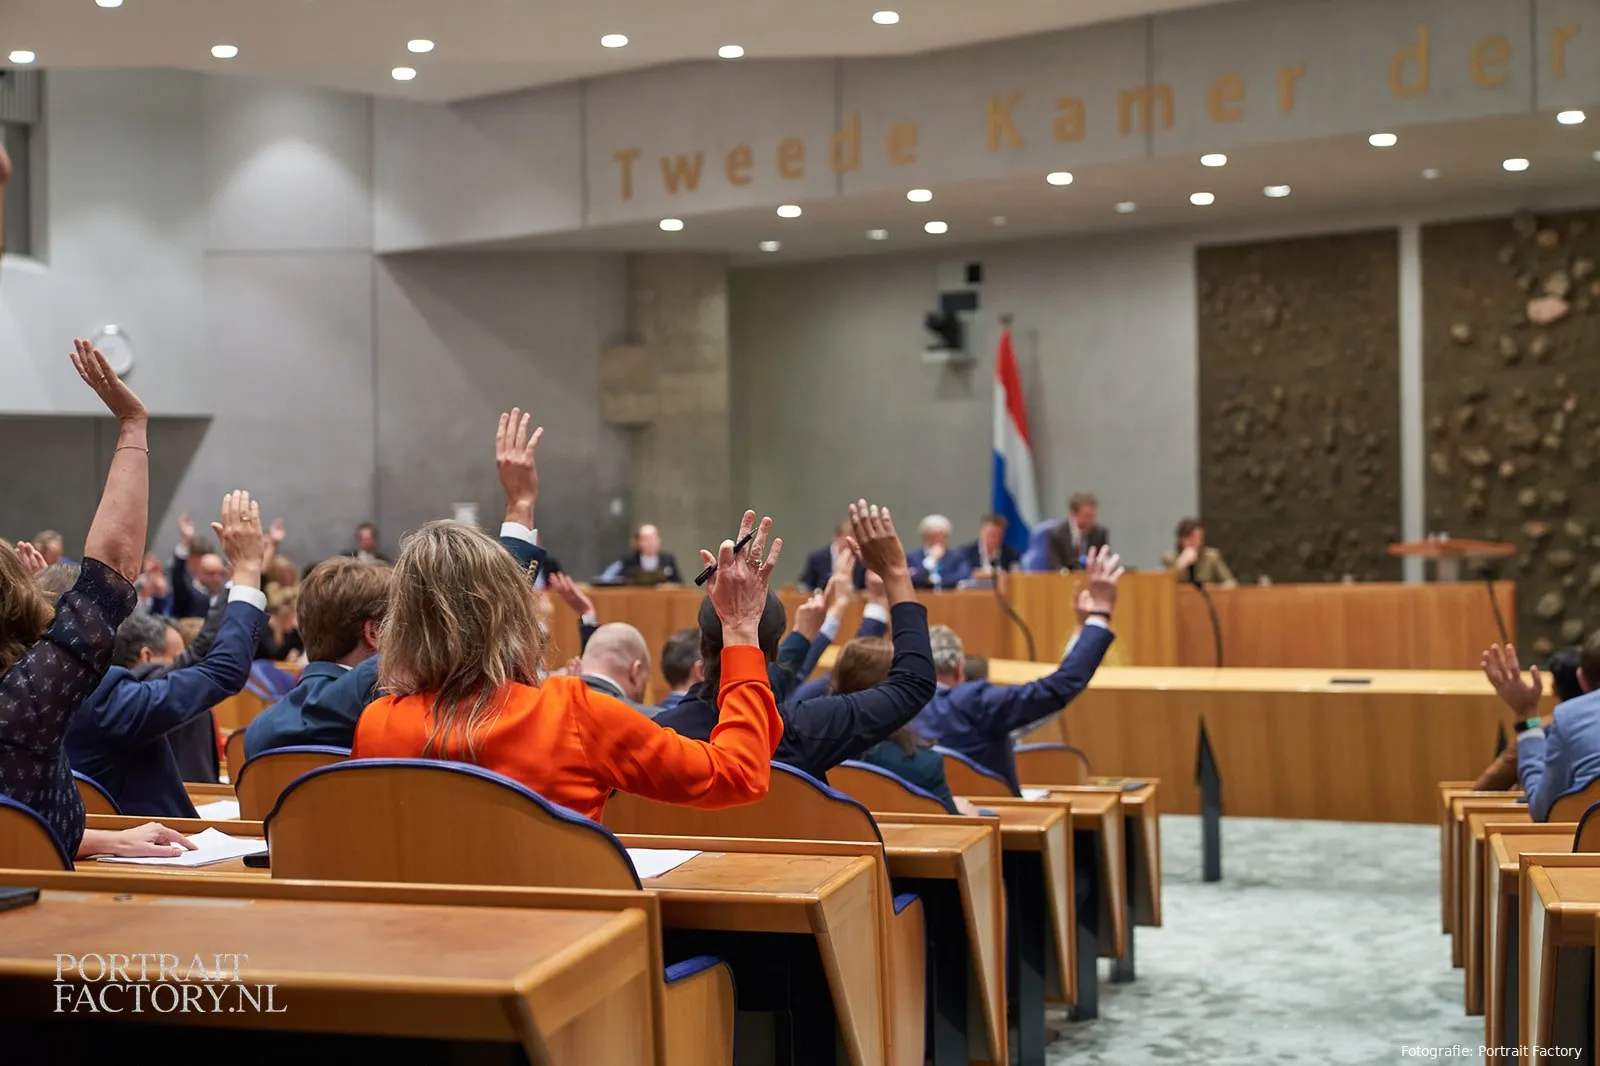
x=1015, y=497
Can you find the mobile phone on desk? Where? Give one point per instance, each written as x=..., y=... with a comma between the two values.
x=12, y=898
x=259, y=861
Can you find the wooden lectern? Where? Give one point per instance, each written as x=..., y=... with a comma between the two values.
x=1447, y=553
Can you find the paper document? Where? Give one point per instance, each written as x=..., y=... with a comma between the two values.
x=1035, y=793
x=653, y=862
x=219, y=810
x=211, y=846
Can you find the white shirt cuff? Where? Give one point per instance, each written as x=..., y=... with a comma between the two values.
x=243, y=594
x=875, y=612
x=1096, y=620
x=830, y=627
x=181, y=551
x=519, y=532
x=590, y=619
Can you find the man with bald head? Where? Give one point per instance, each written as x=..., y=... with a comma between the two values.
x=616, y=661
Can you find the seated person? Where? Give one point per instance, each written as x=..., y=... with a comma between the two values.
x=646, y=564
x=934, y=565
x=198, y=573
x=1193, y=561
x=821, y=733
x=680, y=665
x=49, y=544
x=823, y=563
x=977, y=718
x=616, y=661
x=366, y=548
x=990, y=553
x=280, y=639
x=975, y=668
x=1562, y=755
x=342, y=605
x=1071, y=542
x=53, y=654
x=119, y=736
x=462, y=659
x=1501, y=773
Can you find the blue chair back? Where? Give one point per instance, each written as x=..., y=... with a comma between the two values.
x=881, y=791
x=1587, y=838
x=796, y=807
x=26, y=840
x=967, y=778
x=263, y=778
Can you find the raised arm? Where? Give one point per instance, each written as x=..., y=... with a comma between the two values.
x=116, y=537
x=515, y=461
x=735, y=766
x=581, y=604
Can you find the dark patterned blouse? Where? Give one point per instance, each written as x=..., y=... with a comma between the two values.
x=40, y=692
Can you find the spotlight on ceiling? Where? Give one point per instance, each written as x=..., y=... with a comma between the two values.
x=919, y=196
x=1126, y=207
x=1213, y=159
x=671, y=225
x=1059, y=177
x=420, y=46
x=1514, y=165
x=789, y=211
x=1275, y=191
x=770, y=246
x=886, y=18
x=1383, y=140
x=877, y=234
x=1202, y=199
x=1571, y=118
x=403, y=73
x=224, y=51
x=730, y=51
x=935, y=227
x=614, y=40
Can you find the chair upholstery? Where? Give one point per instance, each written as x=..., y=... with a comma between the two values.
x=879, y=790
x=421, y=820
x=262, y=779
x=96, y=800
x=967, y=778
x=1051, y=764
x=26, y=840
x=233, y=757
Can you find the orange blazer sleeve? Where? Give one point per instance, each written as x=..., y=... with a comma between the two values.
x=733, y=768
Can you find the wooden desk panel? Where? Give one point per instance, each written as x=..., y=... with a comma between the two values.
x=1506, y=846
x=1460, y=808
x=1046, y=830
x=1475, y=907
x=1560, y=900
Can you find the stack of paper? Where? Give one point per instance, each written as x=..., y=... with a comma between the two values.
x=211, y=846
x=653, y=862
x=1035, y=793
x=219, y=810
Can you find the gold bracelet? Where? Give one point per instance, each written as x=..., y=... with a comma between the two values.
x=129, y=448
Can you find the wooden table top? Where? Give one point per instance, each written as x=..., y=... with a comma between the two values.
x=1478, y=822
x=902, y=839
x=1258, y=679
x=1509, y=848
x=758, y=873
x=1573, y=887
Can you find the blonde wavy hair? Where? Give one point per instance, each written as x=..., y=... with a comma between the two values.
x=25, y=611
x=463, y=622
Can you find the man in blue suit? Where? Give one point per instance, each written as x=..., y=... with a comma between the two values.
x=1561, y=756
x=821, y=563
x=977, y=718
x=342, y=605
x=119, y=736
x=990, y=553
x=934, y=565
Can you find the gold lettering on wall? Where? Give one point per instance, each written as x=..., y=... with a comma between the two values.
x=999, y=120
x=1558, y=48
x=844, y=153
x=1068, y=124
x=901, y=144
x=625, y=158
x=1492, y=51
x=1287, y=77
x=1401, y=64
x=1145, y=97
x=681, y=171
x=1224, y=98
x=737, y=167
x=791, y=158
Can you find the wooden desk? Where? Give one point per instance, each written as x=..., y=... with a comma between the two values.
x=1460, y=807
x=1447, y=791
x=1040, y=896
x=1502, y=928
x=566, y=986
x=1479, y=823
x=1560, y=902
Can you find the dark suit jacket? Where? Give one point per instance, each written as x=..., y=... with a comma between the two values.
x=611, y=688
x=668, y=569
x=819, y=568
x=1060, y=552
x=972, y=557
x=187, y=597
x=194, y=744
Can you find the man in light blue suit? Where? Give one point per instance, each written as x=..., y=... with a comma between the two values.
x=1558, y=757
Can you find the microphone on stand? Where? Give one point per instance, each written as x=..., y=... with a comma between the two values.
x=1211, y=609
x=1011, y=613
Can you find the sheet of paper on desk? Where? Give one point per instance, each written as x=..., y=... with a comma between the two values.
x=211, y=846
x=653, y=862
x=1035, y=793
x=219, y=811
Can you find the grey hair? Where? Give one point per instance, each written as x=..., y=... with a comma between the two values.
x=934, y=523
x=947, y=652
x=138, y=631
x=56, y=579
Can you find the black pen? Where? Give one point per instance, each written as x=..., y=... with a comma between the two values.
x=705, y=575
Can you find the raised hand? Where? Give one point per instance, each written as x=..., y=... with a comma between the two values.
x=875, y=590
x=809, y=615
x=837, y=594
x=186, y=530
x=738, y=588
x=570, y=594
x=1504, y=671
x=98, y=375
x=241, y=538
x=5, y=166
x=874, y=541
x=32, y=561
x=514, y=450
x=1103, y=570
x=276, y=532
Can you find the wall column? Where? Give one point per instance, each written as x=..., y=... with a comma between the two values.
x=669, y=385
x=1412, y=440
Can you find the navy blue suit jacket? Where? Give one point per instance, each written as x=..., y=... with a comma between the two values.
x=186, y=597
x=952, y=570
x=119, y=736
x=972, y=557
x=819, y=568
x=977, y=718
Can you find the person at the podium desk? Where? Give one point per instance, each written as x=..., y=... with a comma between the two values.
x=647, y=564
x=1193, y=561
x=989, y=554
x=934, y=565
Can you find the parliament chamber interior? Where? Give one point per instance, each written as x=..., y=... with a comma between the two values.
x=663, y=534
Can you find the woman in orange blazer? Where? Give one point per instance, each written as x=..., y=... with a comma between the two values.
x=462, y=655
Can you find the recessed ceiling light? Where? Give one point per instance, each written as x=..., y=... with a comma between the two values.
x=770, y=246
x=1059, y=177
x=731, y=51
x=1213, y=159
x=886, y=18
x=1275, y=191
x=877, y=234
x=936, y=227
x=1571, y=118
x=1202, y=199
x=224, y=51
x=420, y=46
x=614, y=40
x=109, y=3
x=1383, y=140
x=403, y=73
x=789, y=211
x=1430, y=173
x=998, y=220
x=672, y=225
x=919, y=196
x=1126, y=207
x=22, y=57
x=1514, y=165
